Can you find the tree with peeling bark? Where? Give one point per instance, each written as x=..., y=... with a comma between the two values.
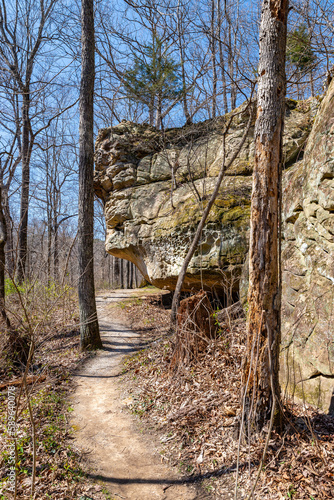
x=89, y=327
x=261, y=396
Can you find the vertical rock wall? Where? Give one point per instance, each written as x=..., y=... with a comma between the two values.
x=308, y=266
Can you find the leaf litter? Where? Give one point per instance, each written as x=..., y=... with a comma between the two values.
x=197, y=410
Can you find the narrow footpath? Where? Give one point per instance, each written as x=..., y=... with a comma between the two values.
x=125, y=459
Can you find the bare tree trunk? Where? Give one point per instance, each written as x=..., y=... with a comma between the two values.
x=260, y=371
x=127, y=272
x=116, y=272
x=230, y=58
x=89, y=327
x=184, y=90
x=9, y=250
x=158, y=120
x=121, y=273
x=49, y=250
x=135, y=277
x=23, y=229
x=182, y=64
x=312, y=82
x=56, y=252
x=3, y=237
x=221, y=56
x=151, y=111
x=132, y=271
x=213, y=60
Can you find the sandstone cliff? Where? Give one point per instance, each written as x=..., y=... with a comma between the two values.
x=154, y=188
x=308, y=265
x=155, y=185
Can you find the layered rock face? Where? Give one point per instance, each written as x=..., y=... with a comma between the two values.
x=308, y=265
x=155, y=186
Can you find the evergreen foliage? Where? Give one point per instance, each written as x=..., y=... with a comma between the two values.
x=154, y=77
x=299, y=49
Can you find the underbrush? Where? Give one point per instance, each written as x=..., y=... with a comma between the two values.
x=47, y=318
x=196, y=411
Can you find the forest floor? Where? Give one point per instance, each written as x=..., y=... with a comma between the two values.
x=195, y=408
x=120, y=423
x=120, y=453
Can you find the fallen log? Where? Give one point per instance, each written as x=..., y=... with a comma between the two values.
x=17, y=382
x=230, y=313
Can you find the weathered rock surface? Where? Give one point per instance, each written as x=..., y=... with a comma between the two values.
x=308, y=265
x=154, y=189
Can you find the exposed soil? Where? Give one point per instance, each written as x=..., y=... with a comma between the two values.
x=123, y=456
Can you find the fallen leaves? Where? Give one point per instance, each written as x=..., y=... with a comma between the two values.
x=197, y=415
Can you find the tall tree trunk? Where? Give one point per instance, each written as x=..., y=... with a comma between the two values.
x=213, y=60
x=230, y=57
x=184, y=91
x=89, y=327
x=121, y=273
x=49, y=250
x=151, y=111
x=56, y=252
x=9, y=250
x=26, y=146
x=183, y=70
x=132, y=270
x=312, y=82
x=158, y=120
x=116, y=272
x=3, y=238
x=260, y=371
x=221, y=56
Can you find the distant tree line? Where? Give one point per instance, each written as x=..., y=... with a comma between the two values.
x=167, y=64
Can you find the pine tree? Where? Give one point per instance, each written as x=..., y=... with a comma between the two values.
x=153, y=80
x=299, y=49
x=301, y=56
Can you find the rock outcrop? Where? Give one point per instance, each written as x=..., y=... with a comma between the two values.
x=154, y=188
x=155, y=185
x=308, y=265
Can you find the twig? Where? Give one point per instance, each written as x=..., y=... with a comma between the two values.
x=243, y=409
x=271, y=416
x=29, y=380
x=33, y=435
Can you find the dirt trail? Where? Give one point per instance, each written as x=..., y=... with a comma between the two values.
x=123, y=458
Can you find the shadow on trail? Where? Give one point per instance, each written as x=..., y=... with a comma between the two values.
x=183, y=480
x=109, y=347
x=98, y=376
